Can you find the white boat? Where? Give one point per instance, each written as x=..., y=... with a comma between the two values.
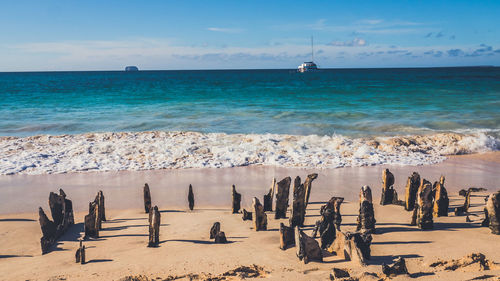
x=309, y=65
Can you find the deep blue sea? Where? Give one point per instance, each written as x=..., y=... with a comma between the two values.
x=349, y=102
x=59, y=122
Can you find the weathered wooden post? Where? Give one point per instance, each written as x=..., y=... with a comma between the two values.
x=287, y=237
x=366, y=219
x=147, y=198
x=389, y=194
x=214, y=230
x=282, y=198
x=461, y=210
x=441, y=201
x=62, y=214
x=326, y=226
x=298, y=204
x=337, y=218
x=268, y=198
x=92, y=222
x=49, y=231
x=493, y=208
x=56, y=203
x=154, y=227
x=352, y=246
x=425, y=203
x=80, y=254
x=61, y=210
x=486, y=220
x=308, y=185
x=414, y=215
x=411, y=191
x=236, y=200
x=98, y=207
x=247, y=216
x=362, y=241
x=191, y=198
x=99, y=199
x=307, y=248
x=260, y=218
x=218, y=236
x=365, y=194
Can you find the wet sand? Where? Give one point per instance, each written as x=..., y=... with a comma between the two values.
x=185, y=245
x=123, y=190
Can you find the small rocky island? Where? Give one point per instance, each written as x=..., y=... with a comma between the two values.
x=131, y=68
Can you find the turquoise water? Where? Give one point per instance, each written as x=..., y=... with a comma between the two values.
x=350, y=102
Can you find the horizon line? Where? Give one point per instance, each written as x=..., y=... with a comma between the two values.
x=242, y=69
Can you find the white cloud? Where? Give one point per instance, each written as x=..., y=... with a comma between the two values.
x=388, y=30
x=225, y=30
x=356, y=42
x=367, y=26
x=371, y=21
x=161, y=53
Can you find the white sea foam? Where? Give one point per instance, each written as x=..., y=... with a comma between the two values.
x=171, y=150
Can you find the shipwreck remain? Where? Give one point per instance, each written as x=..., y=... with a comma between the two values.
x=61, y=210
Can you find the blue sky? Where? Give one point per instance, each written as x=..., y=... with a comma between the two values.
x=108, y=35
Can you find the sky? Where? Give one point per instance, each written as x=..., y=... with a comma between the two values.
x=42, y=35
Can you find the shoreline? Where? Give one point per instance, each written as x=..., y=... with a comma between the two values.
x=211, y=186
x=493, y=157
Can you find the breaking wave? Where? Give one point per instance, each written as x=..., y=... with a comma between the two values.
x=46, y=154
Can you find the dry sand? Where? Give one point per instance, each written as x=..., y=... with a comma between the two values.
x=185, y=245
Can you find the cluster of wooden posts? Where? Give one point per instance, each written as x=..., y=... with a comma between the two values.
x=426, y=200
x=353, y=246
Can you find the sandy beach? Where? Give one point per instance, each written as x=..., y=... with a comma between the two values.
x=249, y=140
x=186, y=250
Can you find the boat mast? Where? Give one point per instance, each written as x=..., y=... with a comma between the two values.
x=312, y=50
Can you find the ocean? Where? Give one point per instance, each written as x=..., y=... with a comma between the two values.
x=224, y=118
